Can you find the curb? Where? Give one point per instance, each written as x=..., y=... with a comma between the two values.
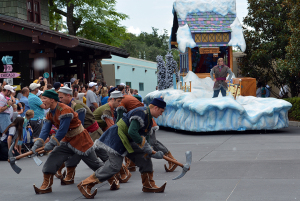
x=294, y=123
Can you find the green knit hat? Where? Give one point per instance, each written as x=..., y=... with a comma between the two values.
x=51, y=94
x=138, y=97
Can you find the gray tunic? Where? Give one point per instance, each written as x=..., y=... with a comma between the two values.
x=221, y=73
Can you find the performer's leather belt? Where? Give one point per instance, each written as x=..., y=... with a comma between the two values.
x=75, y=131
x=221, y=78
x=93, y=127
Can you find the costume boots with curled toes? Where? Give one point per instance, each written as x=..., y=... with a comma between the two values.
x=46, y=186
x=130, y=165
x=124, y=174
x=149, y=183
x=114, y=182
x=172, y=166
x=85, y=187
x=58, y=174
x=69, y=179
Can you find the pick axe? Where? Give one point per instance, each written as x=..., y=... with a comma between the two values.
x=185, y=167
x=12, y=159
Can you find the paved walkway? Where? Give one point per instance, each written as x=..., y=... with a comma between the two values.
x=233, y=166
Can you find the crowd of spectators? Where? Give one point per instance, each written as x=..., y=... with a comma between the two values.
x=26, y=107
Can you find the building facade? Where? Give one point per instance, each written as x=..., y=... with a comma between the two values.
x=26, y=36
x=137, y=73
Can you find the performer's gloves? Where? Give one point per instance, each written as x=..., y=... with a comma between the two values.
x=147, y=149
x=39, y=142
x=51, y=144
x=158, y=155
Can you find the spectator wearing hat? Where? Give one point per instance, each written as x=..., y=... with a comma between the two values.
x=24, y=99
x=126, y=138
x=38, y=107
x=91, y=97
x=5, y=104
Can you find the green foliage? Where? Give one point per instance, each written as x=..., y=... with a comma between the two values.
x=289, y=68
x=148, y=45
x=92, y=19
x=294, y=112
x=266, y=36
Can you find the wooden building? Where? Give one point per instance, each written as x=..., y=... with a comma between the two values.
x=211, y=32
x=25, y=35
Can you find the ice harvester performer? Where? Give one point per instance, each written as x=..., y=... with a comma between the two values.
x=71, y=138
x=129, y=103
x=128, y=138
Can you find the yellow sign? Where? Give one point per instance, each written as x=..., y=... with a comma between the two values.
x=18, y=87
x=209, y=50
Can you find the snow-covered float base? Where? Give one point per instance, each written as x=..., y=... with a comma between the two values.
x=197, y=111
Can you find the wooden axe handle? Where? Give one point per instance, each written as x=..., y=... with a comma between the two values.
x=29, y=153
x=170, y=159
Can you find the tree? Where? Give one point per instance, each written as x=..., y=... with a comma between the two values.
x=289, y=68
x=161, y=75
x=96, y=20
x=152, y=44
x=266, y=37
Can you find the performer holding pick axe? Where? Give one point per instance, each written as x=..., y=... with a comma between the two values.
x=129, y=103
x=71, y=138
x=89, y=123
x=128, y=138
x=104, y=115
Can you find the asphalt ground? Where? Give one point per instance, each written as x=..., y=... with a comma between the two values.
x=227, y=166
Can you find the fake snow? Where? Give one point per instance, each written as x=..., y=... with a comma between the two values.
x=197, y=111
x=184, y=38
x=237, y=37
x=223, y=7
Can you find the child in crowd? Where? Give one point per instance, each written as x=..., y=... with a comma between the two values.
x=8, y=136
x=26, y=126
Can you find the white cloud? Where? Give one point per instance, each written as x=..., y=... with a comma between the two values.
x=133, y=30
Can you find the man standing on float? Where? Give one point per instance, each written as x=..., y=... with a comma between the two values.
x=220, y=72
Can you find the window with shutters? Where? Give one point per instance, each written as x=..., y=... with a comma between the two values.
x=34, y=11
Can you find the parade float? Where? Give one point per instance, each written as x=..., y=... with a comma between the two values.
x=203, y=31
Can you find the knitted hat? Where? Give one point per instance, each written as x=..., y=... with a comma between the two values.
x=65, y=89
x=159, y=102
x=138, y=97
x=51, y=94
x=116, y=94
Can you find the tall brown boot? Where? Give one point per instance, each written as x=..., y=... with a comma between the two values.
x=124, y=174
x=172, y=166
x=85, y=187
x=69, y=179
x=149, y=183
x=58, y=174
x=46, y=186
x=130, y=165
x=114, y=183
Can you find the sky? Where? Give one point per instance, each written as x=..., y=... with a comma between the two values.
x=145, y=14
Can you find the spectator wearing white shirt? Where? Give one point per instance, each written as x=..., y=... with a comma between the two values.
x=91, y=97
x=5, y=105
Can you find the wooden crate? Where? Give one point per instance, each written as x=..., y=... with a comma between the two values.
x=248, y=85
